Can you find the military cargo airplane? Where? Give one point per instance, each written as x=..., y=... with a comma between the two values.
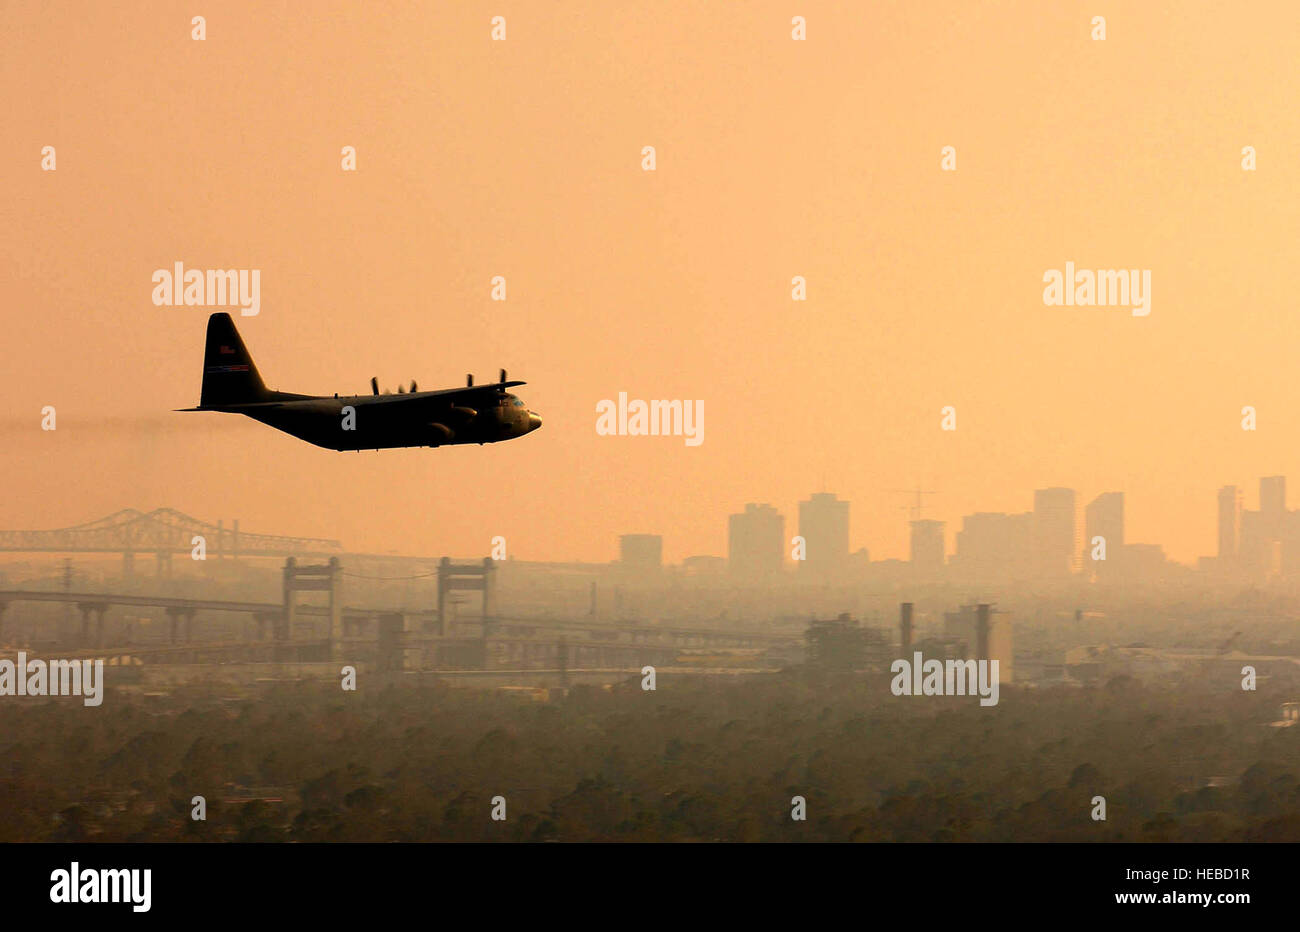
x=473, y=414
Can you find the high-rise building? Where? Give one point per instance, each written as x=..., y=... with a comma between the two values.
x=994, y=546
x=824, y=526
x=1253, y=545
x=1272, y=507
x=1229, y=525
x=641, y=552
x=927, y=547
x=1290, y=546
x=1054, y=541
x=1104, y=518
x=756, y=542
x=1272, y=495
x=1262, y=532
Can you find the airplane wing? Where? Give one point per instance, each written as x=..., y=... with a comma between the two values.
x=469, y=395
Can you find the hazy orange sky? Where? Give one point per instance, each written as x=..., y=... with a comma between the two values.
x=776, y=158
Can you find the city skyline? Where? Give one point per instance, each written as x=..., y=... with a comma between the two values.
x=766, y=540
x=924, y=287
x=1103, y=515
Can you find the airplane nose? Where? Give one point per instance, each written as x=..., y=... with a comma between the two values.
x=534, y=421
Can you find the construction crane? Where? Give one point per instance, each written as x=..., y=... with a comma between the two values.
x=914, y=509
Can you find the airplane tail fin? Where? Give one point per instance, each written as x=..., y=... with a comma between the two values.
x=229, y=375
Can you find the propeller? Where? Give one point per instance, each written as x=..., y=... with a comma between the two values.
x=374, y=387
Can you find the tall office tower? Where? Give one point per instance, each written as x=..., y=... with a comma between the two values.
x=927, y=547
x=1104, y=518
x=1259, y=541
x=1272, y=495
x=1272, y=506
x=1253, y=545
x=1229, y=524
x=1290, y=546
x=1054, y=546
x=756, y=542
x=994, y=546
x=824, y=526
x=641, y=552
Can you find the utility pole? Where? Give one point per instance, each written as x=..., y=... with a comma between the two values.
x=67, y=587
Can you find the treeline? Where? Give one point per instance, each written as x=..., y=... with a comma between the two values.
x=695, y=760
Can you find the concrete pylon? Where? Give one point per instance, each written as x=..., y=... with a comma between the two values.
x=465, y=576
x=327, y=577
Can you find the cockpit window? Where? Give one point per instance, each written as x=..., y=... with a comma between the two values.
x=518, y=403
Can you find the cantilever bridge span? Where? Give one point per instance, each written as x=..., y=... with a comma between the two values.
x=163, y=531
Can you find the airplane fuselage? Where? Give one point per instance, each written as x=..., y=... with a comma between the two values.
x=381, y=422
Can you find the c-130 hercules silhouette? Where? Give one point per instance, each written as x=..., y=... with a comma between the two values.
x=473, y=414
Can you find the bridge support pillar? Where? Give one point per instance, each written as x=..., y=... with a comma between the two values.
x=180, y=620
x=329, y=578
x=390, y=652
x=164, y=564
x=263, y=622
x=87, y=609
x=459, y=576
x=3, y=606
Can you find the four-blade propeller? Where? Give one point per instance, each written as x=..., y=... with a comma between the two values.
x=469, y=383
x=374, y=387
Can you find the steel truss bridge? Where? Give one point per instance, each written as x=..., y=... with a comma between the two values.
x=163, y=531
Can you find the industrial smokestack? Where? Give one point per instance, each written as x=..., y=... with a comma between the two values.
x=982, y=633
x=905, y=625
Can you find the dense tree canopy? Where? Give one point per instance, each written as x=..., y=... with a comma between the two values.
x=696, y=760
